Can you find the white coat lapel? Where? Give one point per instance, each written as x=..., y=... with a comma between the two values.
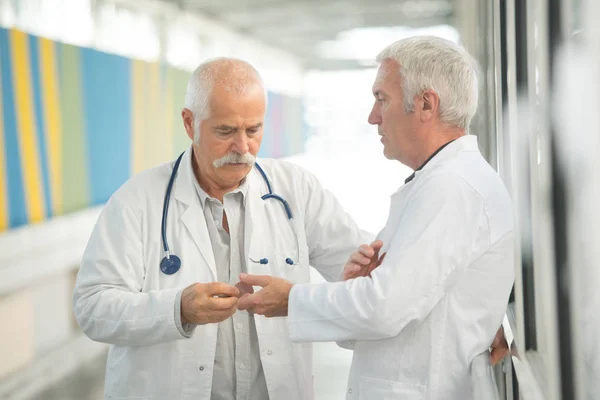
x=256, y=222
x=192, y=215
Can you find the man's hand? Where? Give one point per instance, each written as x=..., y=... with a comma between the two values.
x=499, y=347
x=244, y=288
x=205, y=303
x=363, y=261
x=271, y=300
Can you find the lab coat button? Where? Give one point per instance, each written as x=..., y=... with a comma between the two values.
x=349, y=391
x=201, y=368
x=269, y=352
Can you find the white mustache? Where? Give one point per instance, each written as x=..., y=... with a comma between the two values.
x=234, y=158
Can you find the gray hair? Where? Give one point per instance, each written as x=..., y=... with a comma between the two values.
x=233, y=74
x=429, y=62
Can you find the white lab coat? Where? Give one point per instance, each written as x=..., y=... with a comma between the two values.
x=122, y=298
x=437, y=300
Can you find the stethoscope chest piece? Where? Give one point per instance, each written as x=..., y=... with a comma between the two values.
x=170, y=265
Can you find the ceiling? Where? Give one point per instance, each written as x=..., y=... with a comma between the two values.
x=301, y=27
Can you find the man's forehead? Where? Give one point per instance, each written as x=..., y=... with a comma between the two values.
x=385, y=74
x=380, y=80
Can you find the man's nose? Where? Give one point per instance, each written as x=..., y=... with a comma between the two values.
x=240, y=143
x=374, y=116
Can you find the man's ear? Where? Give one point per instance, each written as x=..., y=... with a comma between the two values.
x=188, y=122
x=429, y=104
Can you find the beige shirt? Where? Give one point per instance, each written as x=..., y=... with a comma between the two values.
x=238, y=372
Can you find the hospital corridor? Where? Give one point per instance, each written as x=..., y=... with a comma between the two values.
x=161, y=161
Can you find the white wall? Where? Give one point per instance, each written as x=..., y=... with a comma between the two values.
x=38, y=264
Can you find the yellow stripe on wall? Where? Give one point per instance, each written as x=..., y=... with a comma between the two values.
x=52, y=117
x=137, y=116
x=157, y=149
x=26, y=126
x=3, y=177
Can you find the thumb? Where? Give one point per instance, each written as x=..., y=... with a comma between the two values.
x=255, y=280
x=377, y=245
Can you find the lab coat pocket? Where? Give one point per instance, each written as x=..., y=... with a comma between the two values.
x=384, y=389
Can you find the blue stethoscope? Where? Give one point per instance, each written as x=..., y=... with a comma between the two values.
x=170, y=264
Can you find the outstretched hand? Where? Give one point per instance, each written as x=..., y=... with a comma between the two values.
x=271, y=300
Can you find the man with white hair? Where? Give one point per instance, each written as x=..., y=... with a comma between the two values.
x=423, y=311
x=159, y=277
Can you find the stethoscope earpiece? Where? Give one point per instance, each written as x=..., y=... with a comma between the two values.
x=262, y=261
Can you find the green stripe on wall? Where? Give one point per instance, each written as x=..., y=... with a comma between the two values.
x=154, y=127
x=76, y=193
x=179, y=80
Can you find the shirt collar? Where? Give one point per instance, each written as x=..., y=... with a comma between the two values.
x=203, y=196
x=466, y=142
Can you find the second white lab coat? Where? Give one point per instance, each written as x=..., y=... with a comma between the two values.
x=440, y=295
x=122, y=298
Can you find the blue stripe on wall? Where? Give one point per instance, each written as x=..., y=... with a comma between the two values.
x=39, y=117
x=267, y=140
x=107, y=109
x=16, y=196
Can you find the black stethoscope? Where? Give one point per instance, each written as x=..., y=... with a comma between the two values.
x=170, y=264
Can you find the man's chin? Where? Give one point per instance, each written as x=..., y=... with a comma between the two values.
x=235, y=172
x=386, y=154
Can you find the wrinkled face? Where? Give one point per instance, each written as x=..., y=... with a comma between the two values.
x=229, y=139
x=398, y=130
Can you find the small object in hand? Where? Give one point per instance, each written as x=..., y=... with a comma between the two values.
x=244, y=288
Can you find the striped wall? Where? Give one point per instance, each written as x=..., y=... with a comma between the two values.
x=75, y=123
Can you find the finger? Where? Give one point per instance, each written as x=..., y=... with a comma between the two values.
x=377, y=245
x=258, y=310
x=219, y=316
x=376, y=264
x=380, y=260
x=352, y=268
x=350, y=275
x=366, y=250
x=222, y=290
x=242, y=299
x=496, y=343
x=222, y=303
x=246, y=302
x=497, y=355
x=255, y=280
x=244, y=288
x=359, y=258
